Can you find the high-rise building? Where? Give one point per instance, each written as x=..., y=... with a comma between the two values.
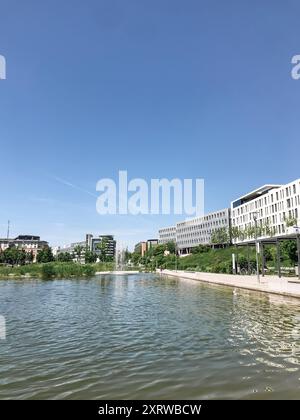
x=102, y=243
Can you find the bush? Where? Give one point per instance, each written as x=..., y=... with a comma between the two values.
x=48, y=271
x=88, y=270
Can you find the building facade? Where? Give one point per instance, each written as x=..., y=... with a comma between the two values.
x=193, y=232
x=144, y=246
x=276, y=209
x=28, y=243
x=167, y=234
x=199, y=230
x=92, y=244
x=151, y=243
x=102, y=243
x=140, y=248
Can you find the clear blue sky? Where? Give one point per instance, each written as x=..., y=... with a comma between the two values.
x=162, y=88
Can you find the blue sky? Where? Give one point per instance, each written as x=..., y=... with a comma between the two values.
x=188, y=89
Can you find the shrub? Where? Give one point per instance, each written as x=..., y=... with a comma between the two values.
x=48, y=271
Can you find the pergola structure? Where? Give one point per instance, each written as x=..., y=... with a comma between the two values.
x=272, y=241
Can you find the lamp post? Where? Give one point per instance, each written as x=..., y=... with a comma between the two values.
x=255, y=213
x=175, y=257
x=297, y=231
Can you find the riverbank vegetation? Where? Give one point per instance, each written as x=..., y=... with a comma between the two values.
x=16, y=263
x=48, y=270
x=215, y=260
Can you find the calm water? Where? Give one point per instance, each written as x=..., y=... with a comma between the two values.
x=142, y=337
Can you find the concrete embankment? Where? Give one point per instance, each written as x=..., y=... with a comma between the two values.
x=285, y=286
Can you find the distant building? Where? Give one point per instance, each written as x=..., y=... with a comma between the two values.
x=196, y=231
x=199, y=230
x=167, y=234
x=151, y=243
x=144, y=246
x=92, y=244
x=141, y=248
x=28, y=243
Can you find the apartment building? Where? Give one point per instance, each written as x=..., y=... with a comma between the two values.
x=276, y=209
x=28, y=243
x=108, y=242
x=167, y=234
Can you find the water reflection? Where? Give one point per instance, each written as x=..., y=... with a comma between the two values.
x=146, y=337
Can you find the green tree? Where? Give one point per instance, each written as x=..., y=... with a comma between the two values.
x=90, y=257
x=29, y=257
x=64, y=257
x=102, y=247
x=11, y=255
x=78, y=249
x=45, y=255
x=220, y=236
x=289, y=247
x=171, y=246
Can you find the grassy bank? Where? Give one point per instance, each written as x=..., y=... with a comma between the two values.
x=48, y=270
x=56, y=270
x=214, y=260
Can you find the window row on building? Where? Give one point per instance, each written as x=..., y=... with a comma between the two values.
x=271, y=209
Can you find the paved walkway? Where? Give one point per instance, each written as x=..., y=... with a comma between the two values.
x=285, y=286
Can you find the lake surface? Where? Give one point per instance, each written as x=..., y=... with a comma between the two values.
x=146, y=337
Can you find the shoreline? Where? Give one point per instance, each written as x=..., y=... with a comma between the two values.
x=15, y=276
x=284, y=286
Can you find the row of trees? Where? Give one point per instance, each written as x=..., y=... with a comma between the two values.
x=155, y=256
x=225, y=235
x=15, y=256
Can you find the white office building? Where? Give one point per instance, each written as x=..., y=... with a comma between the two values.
x=199, y=230
x=193, y=232
x=167, y=234
x=276, y=209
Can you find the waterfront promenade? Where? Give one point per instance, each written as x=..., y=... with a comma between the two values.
x=285, y=286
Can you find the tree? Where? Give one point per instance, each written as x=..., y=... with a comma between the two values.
x=290, y=221
x=200, y=249
x=158, y=250
x=90, y=257
x=220, y=236
x=127, y=255
x=102, y=247
x=14, y=256
x=136, y=258
x=78, y=252
x=29, y=257
x=64, y=257
x=45, y=255
x=171, y=247
x=289, y=247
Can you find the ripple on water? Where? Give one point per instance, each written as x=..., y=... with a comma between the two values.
x=146, y=337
